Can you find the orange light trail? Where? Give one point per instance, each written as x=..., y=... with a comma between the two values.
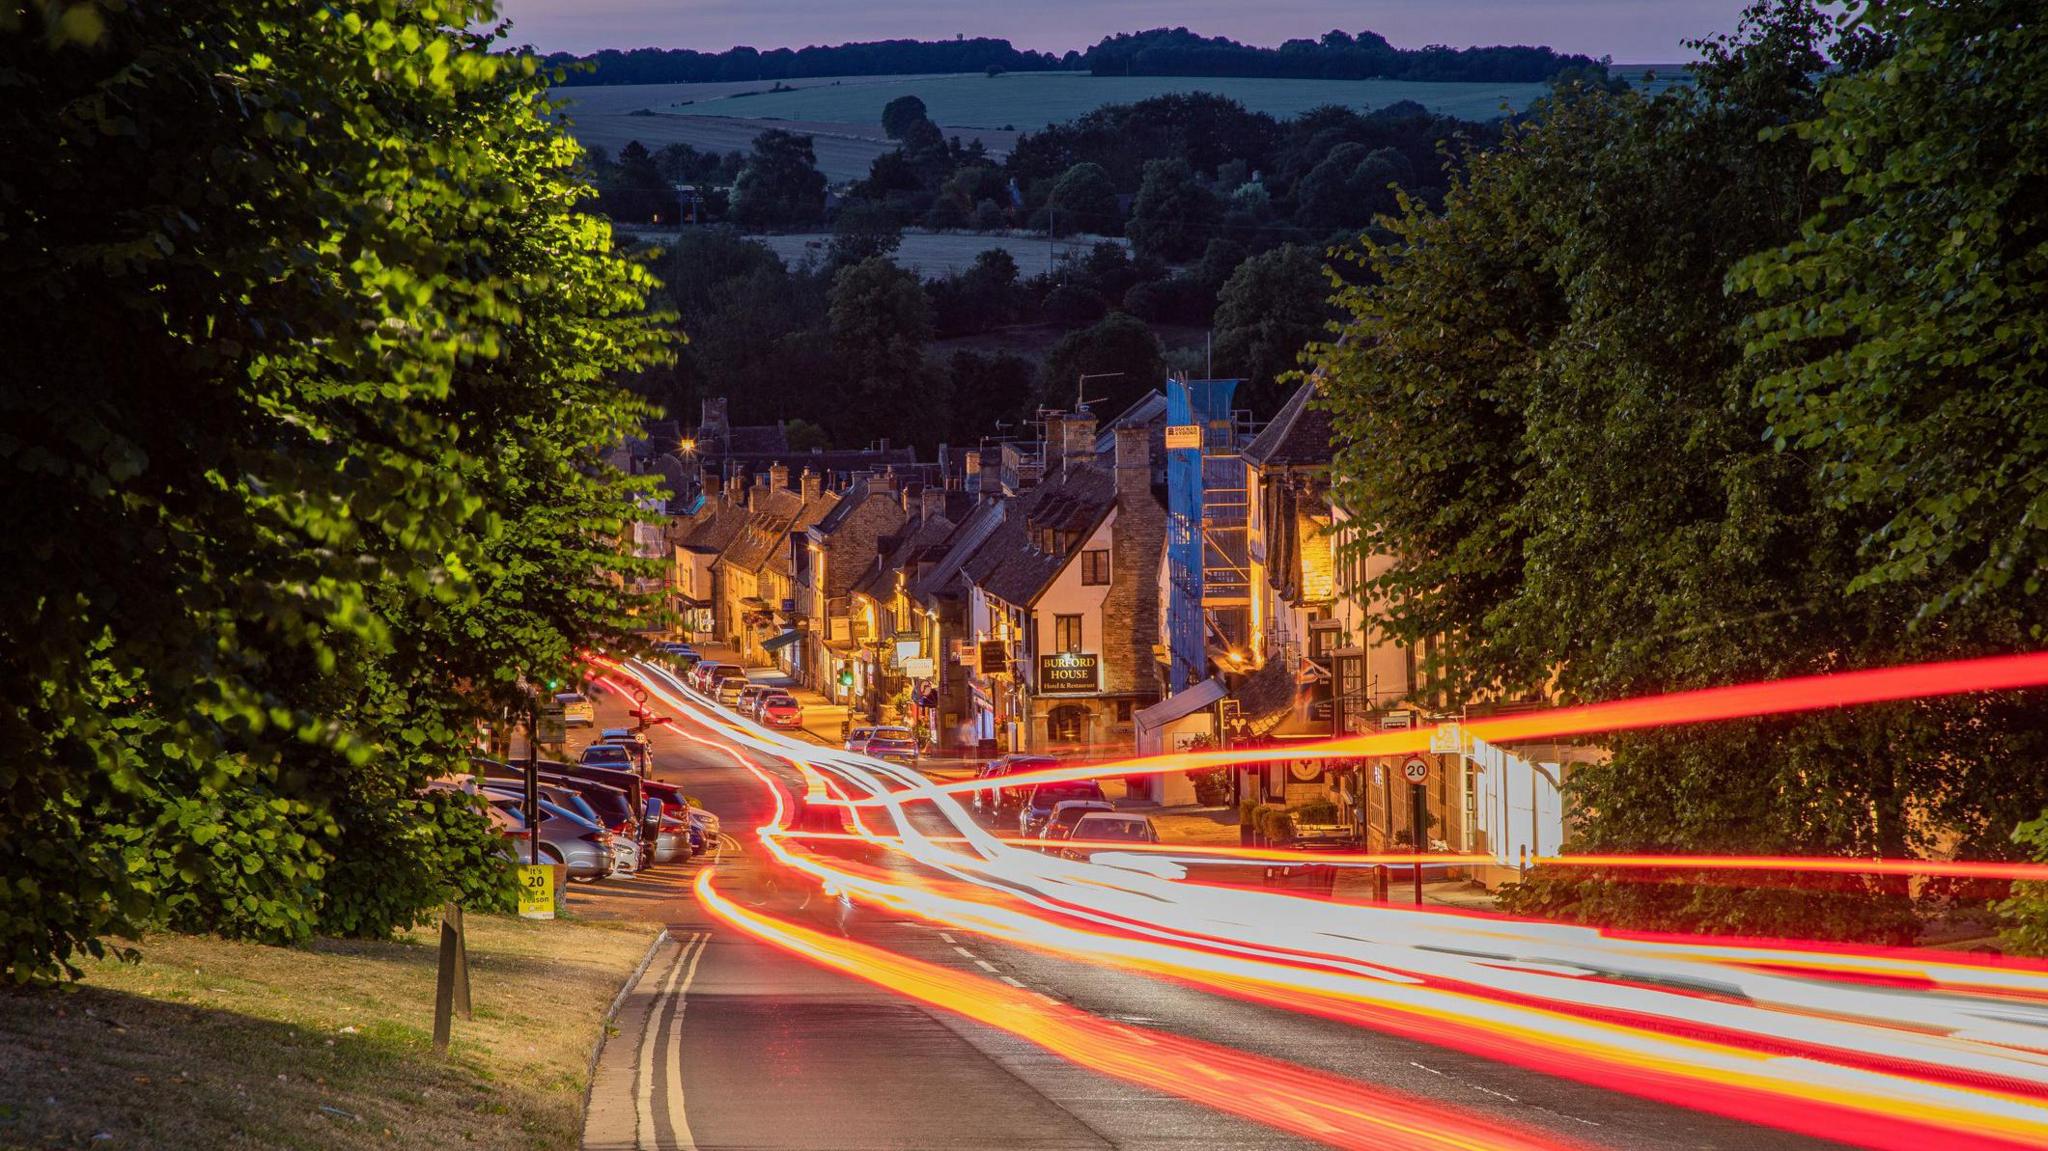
x=1316, y=1105
x=1583, y=1028
x=1741, y=701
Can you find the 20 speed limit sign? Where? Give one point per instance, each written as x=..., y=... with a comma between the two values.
x=1415, y=769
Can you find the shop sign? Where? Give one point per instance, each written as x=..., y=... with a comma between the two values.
x=995, y=657
x=1069, y=673
x=921, y=668
x=1447, y=739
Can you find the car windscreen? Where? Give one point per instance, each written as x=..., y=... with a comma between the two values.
x=892, y=734
x=607, y=755
x=1129, y=829
x=1051, y=793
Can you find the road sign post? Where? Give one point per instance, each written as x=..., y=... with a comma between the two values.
x=1416, y=771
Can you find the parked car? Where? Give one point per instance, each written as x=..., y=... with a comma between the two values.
x=895, y=744
x=781, y=710
x=727, y=693
x=704, y=825
x=584, y=848
x=1067, y=812
x=577, y=710
x=1037, y=806
x=609, y=755
x=1100, y=827
x=857, y=739
x=995, y=802
x=744, y=701
x=704, y=677
x=635, y=744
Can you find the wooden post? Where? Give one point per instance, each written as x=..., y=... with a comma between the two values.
x=451, y=983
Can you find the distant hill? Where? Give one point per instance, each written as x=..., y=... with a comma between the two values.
x=1158, y=52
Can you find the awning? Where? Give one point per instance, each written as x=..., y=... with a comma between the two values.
x=780, y=641
x=1180, y=705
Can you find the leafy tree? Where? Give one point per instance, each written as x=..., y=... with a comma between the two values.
x=805, y=436
x=1269, y=311
x=1905, y=336
x=901, y=114
x=1118, y=343
x=1543, y=406
x=986, y=295
x=1173, y=217
x=780, y=185
x=989, y=392
x=635, y=190
x=257, y=452
x=1083, y=201
x=880, y=321
x=1351, y=186
x=862, y=231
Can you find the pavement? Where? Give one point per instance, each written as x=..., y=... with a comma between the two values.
x=729, y=1043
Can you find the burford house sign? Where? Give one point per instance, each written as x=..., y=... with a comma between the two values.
x=1069, y=673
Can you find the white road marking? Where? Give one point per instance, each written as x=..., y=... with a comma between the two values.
x=1012, y=982
x=985, y=965
x=679, y=1118
x=964, y=953
x=947, y=938
x=1431, y=1070
x=643, y=1078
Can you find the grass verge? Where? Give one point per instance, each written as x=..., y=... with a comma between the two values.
x=212, y=1044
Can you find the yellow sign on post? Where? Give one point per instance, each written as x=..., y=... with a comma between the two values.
x=536, y=891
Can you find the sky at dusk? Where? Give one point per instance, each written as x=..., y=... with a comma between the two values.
x=1631, y=31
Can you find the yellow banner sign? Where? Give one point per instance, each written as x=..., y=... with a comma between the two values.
x=536, y=891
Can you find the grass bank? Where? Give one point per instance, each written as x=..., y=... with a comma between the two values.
x=210, y=1044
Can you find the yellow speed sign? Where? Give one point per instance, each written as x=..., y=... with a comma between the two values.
x=536, y=891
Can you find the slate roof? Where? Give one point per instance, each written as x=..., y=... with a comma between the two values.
x=767, y=528
x=975, y=526
x=905, y=550
x=812, y=511
x=1009, y=565
x=717, y=529
x=1300, y=434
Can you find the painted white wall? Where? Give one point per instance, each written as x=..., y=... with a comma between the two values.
x=1067, y=596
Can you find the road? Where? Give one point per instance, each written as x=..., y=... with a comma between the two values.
x=753, y=1047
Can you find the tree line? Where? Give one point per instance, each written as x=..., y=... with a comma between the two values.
x=875, y=58
x=1736, y=382
x=1336, y=55
x=312, y=369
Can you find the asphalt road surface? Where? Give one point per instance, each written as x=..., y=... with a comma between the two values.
x=754, y=1048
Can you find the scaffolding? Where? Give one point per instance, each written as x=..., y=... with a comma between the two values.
x=1209, y=571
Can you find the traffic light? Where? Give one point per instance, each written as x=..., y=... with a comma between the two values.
x=846, y=677
x=553, y=683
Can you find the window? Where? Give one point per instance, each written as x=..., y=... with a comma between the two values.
x=1123, y=711
x=1095, y=567
x=1066, y=633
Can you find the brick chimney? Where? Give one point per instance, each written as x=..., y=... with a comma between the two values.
x=733, y=490
x=1133, y=460
x=883, y=481
x=778, y=476
x=934, y=503
x=757, y=495
x=811, y=484
x=912, y=496
x=707, y=482
x=1069, y=441
x=971, y=462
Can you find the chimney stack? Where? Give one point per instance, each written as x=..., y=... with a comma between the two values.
x=912, y=492
x=883, y=481
x=1080, y=440
x=1133, y=460
x=971, y=461
x=934, y=503
x=733, y=489
x=778, y=476
x=757, y=494
x=811, y=484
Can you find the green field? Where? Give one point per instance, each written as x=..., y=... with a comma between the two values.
x=1030, y=100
